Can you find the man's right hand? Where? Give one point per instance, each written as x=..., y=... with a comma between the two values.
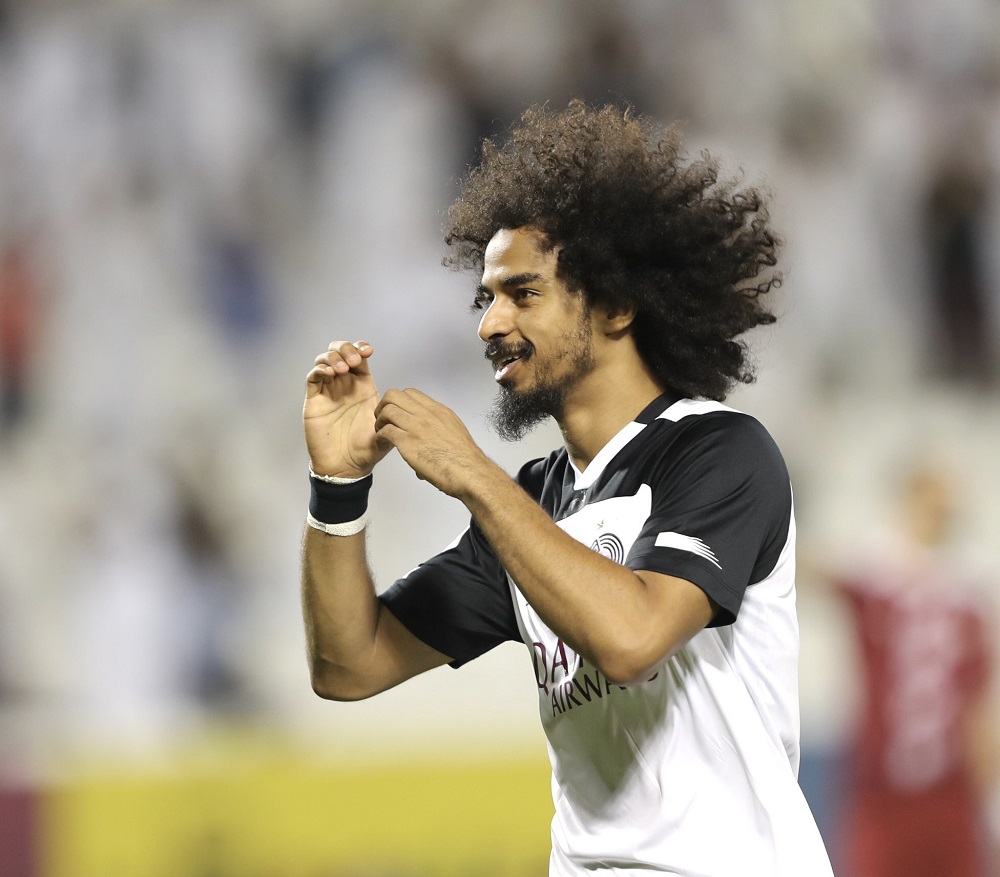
x=339, y=412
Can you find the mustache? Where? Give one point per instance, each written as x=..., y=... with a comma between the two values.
x=496, y=350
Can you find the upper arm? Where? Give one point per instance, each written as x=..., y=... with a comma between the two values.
x=680, y=607
x=721, y=512
x=672, y=610
x=458, y=603
x=397, y=655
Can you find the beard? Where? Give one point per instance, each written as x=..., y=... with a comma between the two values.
x=516, y=413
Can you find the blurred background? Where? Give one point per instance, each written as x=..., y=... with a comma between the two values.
x=196, y=197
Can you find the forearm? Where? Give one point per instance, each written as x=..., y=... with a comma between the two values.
x=603, y=610
x=624, y=622
x=340, y=611
x=982, y=745
x=356, y=647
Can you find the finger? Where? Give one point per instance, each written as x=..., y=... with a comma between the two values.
x=388, y=434
x=317, y=379
x=416, y=401
x=391, y=397
x=419, y=396
x=346, y=356
x=340, y=356
x=322, y=359
x=336, y=357
x=326, y=367
x=391, y=436
x=392, y=414
x=321, y=366
x=319, y=374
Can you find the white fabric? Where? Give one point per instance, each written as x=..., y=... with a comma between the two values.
x=347, y=528
x=335, y=479
x=692, y=772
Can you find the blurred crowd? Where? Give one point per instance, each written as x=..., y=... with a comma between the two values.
x=196, y=197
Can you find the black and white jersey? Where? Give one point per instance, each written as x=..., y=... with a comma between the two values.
x=692, y=772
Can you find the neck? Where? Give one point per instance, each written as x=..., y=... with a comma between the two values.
x=600, y=406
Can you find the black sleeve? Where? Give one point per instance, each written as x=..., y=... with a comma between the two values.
x=459, y=601
x=721, y=510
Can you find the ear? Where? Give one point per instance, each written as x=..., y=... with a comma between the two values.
x=615, y=319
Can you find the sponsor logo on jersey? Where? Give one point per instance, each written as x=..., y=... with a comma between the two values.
x=566, y=681
x=610, y=546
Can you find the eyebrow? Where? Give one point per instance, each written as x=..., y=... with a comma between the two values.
x=513, y=281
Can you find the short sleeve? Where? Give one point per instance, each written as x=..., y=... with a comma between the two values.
x=721, y=510
x=458, y=602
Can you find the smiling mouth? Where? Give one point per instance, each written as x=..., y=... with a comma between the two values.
x=504, y=366
x=508, y=360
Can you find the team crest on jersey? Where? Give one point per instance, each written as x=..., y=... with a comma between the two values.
x=610, y=546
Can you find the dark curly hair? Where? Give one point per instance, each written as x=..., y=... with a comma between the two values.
x=636, y=226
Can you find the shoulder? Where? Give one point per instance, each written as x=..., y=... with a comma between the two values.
x=712, y=435
x=694, y=418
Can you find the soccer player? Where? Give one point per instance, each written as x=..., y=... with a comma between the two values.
x=647, y=565
x=924, y=756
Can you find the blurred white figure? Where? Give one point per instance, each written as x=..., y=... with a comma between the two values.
x=128, y=612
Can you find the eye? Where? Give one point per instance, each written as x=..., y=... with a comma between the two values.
x=522, y=294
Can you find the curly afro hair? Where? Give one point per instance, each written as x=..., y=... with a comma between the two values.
x=635, y=226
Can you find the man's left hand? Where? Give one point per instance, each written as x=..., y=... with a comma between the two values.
x=431, y=438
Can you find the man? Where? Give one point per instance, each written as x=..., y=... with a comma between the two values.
x=647, y=565
x=923, y=760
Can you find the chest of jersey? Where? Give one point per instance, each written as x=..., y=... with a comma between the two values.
x=565, y=680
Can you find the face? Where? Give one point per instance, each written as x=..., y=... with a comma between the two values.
x=930, y=496
x=538, y=334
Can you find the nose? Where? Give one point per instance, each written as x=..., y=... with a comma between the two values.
x=497, y=321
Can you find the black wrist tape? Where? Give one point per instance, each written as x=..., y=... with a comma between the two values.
x=338, y=503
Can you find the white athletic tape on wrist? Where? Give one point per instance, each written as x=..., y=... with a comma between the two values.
x=333, y=479
x=348, y=528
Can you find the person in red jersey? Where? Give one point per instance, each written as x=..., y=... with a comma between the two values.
x=923, y=753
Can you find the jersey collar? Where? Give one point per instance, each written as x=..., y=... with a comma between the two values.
x=584, y=479
x=660, y=404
